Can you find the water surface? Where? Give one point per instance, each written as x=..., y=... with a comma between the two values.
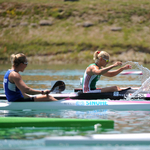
x=40, y=78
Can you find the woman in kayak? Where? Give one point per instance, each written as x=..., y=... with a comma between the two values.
x=15, y=88
x=94, y=71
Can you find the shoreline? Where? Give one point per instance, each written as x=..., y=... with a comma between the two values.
x=130, y=55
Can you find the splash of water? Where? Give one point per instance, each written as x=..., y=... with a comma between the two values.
x=136, y=66
x=144, y=79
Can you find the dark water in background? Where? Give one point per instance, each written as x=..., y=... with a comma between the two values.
x=40, y=78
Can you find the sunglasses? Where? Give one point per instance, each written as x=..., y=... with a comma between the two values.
x=26, y=63
x=107, y=60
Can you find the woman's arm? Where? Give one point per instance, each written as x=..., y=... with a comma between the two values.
x=116, y=72
x=16, y=78
x=95, y=70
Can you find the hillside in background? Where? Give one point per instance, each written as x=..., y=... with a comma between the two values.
x=58, y=31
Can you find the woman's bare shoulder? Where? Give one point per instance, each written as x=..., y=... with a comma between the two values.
x=14, y=75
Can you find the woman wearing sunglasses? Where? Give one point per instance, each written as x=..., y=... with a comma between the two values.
x=15, y=88
x=94, y=71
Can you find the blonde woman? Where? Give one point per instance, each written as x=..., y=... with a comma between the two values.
x=15, y=88
x=94, y=71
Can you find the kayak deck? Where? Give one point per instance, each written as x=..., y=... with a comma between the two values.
x=93, y=96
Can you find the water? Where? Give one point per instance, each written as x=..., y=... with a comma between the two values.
x=144, y=78
x=31, y=138
x=144, y=70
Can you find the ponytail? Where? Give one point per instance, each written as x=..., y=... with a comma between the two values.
x=98, y=54
x=17, y=59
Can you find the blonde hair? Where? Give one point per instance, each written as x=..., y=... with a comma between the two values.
x=17, y=59
x=98, y=54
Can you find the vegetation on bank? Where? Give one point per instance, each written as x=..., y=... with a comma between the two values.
x=70, y=32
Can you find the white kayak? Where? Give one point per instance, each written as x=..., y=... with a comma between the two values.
x=101, y=139
x=77, y=105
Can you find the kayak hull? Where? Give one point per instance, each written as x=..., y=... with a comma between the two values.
x=101, y=139
x=77, y=105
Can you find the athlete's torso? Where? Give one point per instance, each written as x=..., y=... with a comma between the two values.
x=89, y=82
x=11, y=91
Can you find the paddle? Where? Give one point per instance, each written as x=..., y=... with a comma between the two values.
x=58, y=87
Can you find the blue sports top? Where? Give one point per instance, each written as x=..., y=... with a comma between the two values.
x=11, y=91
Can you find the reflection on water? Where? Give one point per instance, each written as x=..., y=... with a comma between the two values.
x=125, y=121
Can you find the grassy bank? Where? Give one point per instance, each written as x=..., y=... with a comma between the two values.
x=74, y=30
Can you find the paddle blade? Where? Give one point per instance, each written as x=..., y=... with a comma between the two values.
x=58, y=87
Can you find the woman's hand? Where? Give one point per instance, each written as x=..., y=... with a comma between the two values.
x=118, y=63
x=46, y=92
x=127, y=67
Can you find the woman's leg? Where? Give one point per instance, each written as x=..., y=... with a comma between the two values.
x=45, y=98
x=111, y=89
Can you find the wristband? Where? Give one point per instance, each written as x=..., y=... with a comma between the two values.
x=42, y=92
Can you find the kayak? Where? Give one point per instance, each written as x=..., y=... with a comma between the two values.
x=101, y=139
x=11, y=122
x=77, y=105
x=93, y=96
x=123, y=94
